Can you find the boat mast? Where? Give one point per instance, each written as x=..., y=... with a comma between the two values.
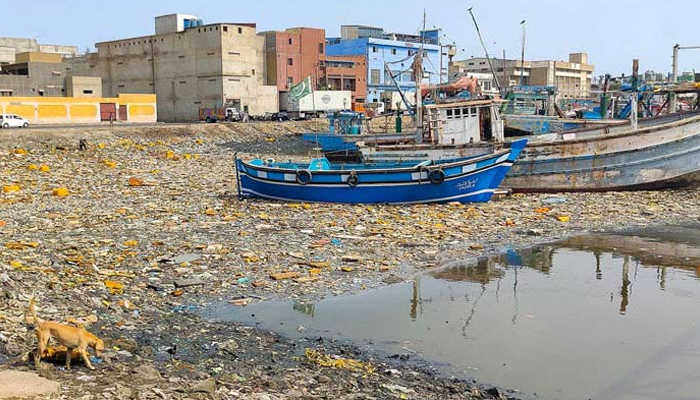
x=418, y=73
x=493, y=71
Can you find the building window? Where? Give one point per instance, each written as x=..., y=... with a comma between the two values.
x=290, y=41
x=393, y=51
x=290, y=81
x=374, y=49
x=234, y=53
x=225, y=28
x=240, y=31
x=320, y=48
x=252, y=72
x=374, y=78
x=290, y=61
x=87, y=91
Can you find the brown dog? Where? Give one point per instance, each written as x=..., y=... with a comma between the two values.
x=72, y=338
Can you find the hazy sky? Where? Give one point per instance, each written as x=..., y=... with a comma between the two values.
x=613, y=32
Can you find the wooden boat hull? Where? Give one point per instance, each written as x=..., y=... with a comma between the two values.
x=653, y=157
x=541, y=124
x=463, y=180
x=664, y=152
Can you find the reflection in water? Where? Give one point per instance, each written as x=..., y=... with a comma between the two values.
x=598, y=271
x=304, y=308
x=625, y=290
x=651, y=250
x=546, y=320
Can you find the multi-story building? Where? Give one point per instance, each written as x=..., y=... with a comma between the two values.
x=572, y=78
x=188, y=65
x=297, y=53
x=508, y=72
x=395, y=51
x=38, y=88
x=43, y=75
x=293, y=55
x=10, y=47
x=346, y=73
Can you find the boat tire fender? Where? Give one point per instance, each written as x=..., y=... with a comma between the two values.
x=303, y=176
x=353, y=180
x=436, y=176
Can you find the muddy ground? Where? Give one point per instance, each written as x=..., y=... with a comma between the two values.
x=132, y=234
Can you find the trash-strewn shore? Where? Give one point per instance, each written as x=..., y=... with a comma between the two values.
x=128, y=235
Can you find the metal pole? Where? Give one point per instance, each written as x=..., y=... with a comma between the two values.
x=488, y=58
x=419, y=94
x=522, y=56
x=505, y=75
x=672, y=101
x=674, y=72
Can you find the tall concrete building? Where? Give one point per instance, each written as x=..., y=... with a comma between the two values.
x=297, y=53
x=572, y=78
x=188, y=65
x=395, y=48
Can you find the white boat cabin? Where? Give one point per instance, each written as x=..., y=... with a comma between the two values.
x=463, y=122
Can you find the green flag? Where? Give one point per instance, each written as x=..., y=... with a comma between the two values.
x=301, y=89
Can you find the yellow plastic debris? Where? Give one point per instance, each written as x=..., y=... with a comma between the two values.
x=109, y=163
x=324, y=360
x=10, y=188
x=60, y=192
x=134, y=181
x=563, y=218
x=44, y=168
x=32, y=167
x=20, y=151
x=21, y=245
x=114, y=286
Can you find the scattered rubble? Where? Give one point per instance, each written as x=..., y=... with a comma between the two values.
x=132, y=235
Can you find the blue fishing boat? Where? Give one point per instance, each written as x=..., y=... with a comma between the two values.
x=469, y=179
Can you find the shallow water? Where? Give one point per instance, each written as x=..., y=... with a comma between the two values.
x=594, y=317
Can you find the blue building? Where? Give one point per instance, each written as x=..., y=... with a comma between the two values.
x=381, y=48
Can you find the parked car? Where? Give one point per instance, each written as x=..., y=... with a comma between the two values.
x=13, y=121
x=280, y=116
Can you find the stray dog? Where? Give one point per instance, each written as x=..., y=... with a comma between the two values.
x=68, y=336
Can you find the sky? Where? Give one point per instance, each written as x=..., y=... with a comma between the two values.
x=612, y=32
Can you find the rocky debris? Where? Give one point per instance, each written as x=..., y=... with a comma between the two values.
x=132, y=261
x=147, y=373
x=21, y=385
x=205, y=386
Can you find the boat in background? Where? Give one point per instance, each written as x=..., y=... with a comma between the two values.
x=661, y=152
x=470, y=179
x=533, y=110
